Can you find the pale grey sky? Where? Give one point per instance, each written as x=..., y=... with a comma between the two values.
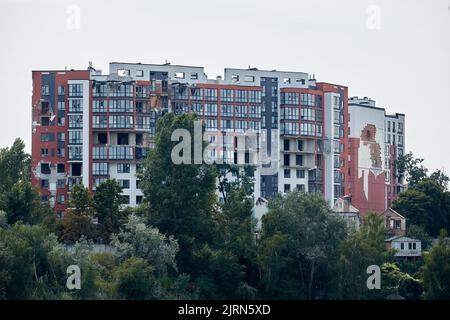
x=404, y=65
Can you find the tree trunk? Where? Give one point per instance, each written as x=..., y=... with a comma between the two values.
x=311, y=280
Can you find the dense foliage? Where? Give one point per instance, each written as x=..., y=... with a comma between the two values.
x=182, y=243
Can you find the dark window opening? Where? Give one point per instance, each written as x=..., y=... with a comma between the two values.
x=122, y=139
x=61, y=168
x=45, y=168
x=76, y=169
x=138, y=139
x=102, y=138
x=286, y=145
x=45, y=121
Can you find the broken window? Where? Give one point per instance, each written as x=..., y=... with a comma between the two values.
x=45, y=107
x=122, y=139
x=76, y=169
x=61, y=121
x=138, y=139
x=44, y=183
x=61, y=168
x=102, y=138
x=47, y=137
x=45, y=121
x=45, y=168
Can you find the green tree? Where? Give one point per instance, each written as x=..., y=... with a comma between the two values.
x=107, y=201
x=77, y=220
x=180, y=197
x=14, y=166
x=394, y=281
x=436, y=270
x=426, y=205
x=360, y=250
x=139, y=240
x=313, y=238
x=135, y=280
x=418, y=232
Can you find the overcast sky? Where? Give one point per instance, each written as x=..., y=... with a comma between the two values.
x=396, y=52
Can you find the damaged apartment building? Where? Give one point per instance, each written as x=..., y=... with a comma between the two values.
x=89, y=127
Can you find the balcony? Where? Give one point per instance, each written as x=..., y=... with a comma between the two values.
x=121, y=153
x=141, y=152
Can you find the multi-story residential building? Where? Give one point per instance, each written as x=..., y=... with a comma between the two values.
x=89, y=127
x=376, y=140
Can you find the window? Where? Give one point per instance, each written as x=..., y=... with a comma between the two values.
x=45, y=90
x=300, y=173
x=75, y=137
x=300, y=145
x=75, y=105
x=47, y=137
x=414, y=246
x=286, y=159
x=299, y=160
x=61, y=105
x=75, y=153
x=286, y=145
x=60, y=183
x=300, y=187
x=194, y=76
x=99, y=106
x=99, y=153
x=61, y=121
x=210, y=94
x=121, y=106
x=61, y=168
x=226, y=95
x=287, y=173
x=61, y=90
x=123, y=168
x=123, y=72
x=121, y=122
x=61, y=152
x=100, y=168
x=99, y=122
x=139, y=73
x=61, y=136
x=287, y=187
x=138, y=199
x=249, y=79
x=124, y=183
x=44, y=183
x=44, y=152
x=75, y=90
x=397, y=224
x=179, y=75
x=60, y=199
x=409, y=246
x=402, y=246
x=45, y=168
x=75, y=121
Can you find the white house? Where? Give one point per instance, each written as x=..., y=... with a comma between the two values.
x=404, y=246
